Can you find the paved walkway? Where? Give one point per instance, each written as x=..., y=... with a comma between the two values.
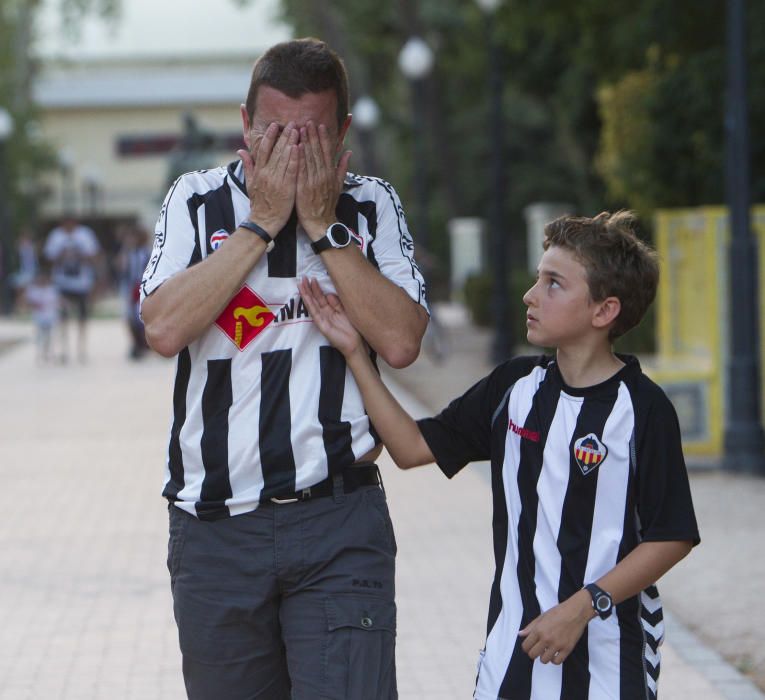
x=85, y=597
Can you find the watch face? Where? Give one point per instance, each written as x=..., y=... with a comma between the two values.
x=603, y=603
x=339, y=235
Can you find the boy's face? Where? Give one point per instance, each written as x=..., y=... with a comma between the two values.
x=560, y=310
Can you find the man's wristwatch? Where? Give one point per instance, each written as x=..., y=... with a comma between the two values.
x=601, y=600
x=337, y=236
x=260, y=232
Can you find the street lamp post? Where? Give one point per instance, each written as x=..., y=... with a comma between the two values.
x=502, y=344
x=416, y=61
x=744, y=439
x=91, y=189
x=6, y=128
x=366, y=117
x=66, y=168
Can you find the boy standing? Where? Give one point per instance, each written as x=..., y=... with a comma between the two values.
x=591, y=497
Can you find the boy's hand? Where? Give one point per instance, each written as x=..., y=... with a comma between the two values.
x=553, y=635
x=328, y=314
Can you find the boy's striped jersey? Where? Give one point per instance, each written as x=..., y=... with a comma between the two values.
x=579, y=477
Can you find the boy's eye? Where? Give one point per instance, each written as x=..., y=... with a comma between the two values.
x=553, y=283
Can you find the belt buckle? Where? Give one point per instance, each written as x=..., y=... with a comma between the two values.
x=305, y=493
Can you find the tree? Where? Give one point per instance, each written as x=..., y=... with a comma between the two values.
x=607, y=104
x=26, y=155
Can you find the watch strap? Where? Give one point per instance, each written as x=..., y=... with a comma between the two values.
x=258, y=231
x=328, y=241
x=321, y=245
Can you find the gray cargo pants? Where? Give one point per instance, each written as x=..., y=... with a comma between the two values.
x=288, y=601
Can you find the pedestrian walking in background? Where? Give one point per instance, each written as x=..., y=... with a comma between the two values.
x=26, y=264
x=131, y=261
x=282, y=553
x=591, y=497
x=72, y=249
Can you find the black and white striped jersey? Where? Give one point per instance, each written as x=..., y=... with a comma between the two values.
x=262, y=405
x=579, y=478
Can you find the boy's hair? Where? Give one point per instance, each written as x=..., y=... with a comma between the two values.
x=297, y=67
x=617, y=262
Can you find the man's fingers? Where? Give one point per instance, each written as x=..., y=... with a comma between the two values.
x=266, y=145
x=282, y=149
x=327, y=148
x=310, y=138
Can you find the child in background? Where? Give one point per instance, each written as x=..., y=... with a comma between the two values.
x=592, y=503
x=42, y=296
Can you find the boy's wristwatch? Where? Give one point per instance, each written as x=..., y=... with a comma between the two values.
x=601, y=601
x=337, y=236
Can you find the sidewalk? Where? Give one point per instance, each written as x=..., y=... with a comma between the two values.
x=86, y=603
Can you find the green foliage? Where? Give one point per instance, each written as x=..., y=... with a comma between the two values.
x=477, y=293
x=25, y=156
x=477, y=296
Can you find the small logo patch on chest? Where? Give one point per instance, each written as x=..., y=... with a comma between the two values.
x=589, y=453
x=217, y=239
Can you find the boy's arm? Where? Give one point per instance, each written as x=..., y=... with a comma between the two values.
x=398, y=430
x=554, y=634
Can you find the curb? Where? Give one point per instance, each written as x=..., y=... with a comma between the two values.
x=725, y=678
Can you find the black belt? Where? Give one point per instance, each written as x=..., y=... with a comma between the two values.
x=352, y=478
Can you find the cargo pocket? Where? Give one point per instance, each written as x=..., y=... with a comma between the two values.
x=361, y=649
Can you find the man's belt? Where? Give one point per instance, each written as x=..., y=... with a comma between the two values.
x=353, y=477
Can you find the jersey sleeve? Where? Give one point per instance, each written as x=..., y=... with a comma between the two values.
x=393, y=247
x=665, y=506
x=174, y=240
x=462, y=432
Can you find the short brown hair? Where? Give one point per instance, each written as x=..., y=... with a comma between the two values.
x=617, y=262
x=297, y=67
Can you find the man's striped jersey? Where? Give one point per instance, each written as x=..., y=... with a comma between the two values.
x=262, y=405
x=579, y=478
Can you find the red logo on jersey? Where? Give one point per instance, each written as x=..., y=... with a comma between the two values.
x=589, y=453
x=244, y=318
x=532, y=435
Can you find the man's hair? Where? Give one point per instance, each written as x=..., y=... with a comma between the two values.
x=616, y=261
x=297, y=67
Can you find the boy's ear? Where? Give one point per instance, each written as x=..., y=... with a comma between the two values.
x=606, y=312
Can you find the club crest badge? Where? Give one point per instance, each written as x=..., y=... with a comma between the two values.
x=589, y=453
x=217, y=238
x=245, y=317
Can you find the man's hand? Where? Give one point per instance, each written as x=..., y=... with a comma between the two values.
x=271, y=177
x=328, y=314
x=553, y=635
x=319, y=181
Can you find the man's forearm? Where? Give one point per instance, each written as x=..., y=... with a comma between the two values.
x=189, y=302
x=383, y=313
